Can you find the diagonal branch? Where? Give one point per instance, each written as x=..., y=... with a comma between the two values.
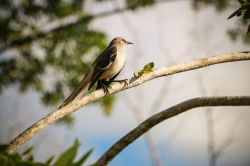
x=133, y=82
x=166, y=114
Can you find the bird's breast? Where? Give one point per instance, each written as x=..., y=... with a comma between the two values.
x=116, y=66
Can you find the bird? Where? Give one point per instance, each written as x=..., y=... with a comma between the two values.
x=104, y=70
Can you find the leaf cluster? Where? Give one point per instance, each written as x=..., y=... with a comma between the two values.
x=52, y=64
x=26, y=158
x=243, y=11
x=239, y=30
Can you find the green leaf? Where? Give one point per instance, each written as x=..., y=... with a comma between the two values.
x=83, y=158
x=146, y=69
x=66, y=159
x=49, y=160
x=243, y=10
x=30, y=158
x=236, y=13
x=3, y=147
x=28, y=151
x=247, y=13
x=149, y=66
x=22, y=159
x=3, y=160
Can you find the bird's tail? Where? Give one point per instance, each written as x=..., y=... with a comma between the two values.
x=79, y=91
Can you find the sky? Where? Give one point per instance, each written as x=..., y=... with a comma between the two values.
x=168, y=33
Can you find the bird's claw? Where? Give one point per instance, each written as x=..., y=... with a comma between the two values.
x=125, y=82
x=105, y=89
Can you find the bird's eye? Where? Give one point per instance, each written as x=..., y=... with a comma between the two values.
x=124, y=40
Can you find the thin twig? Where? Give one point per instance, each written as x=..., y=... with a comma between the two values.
x=210, y=124
x=164, y=89
x=150, y=143
x=213, y=152
x=168, y=60
x=135, y=111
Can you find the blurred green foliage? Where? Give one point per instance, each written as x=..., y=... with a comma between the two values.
x=68, y=119
x=26, y=158
x=218, y=4
x=244, y=13
x=54, y=63
x=107, y=104
x=134, y=4
x=242, y=29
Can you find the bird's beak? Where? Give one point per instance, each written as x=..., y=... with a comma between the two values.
x=128, y=42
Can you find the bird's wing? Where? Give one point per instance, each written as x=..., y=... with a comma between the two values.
x=83, y=85
x=103, y=63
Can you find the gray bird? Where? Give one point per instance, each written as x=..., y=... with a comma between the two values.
x=104, y=69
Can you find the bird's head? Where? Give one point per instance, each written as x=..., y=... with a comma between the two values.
x=120, y=41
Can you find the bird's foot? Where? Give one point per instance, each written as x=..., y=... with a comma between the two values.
x=103, y=85
x=125, y=82
x=105, y=89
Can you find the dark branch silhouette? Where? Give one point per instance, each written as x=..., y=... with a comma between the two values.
x=166, y=114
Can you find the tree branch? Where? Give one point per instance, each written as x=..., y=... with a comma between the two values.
x=166, y=114
x=117, y=87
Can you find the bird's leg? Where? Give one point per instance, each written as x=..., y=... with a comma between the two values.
x=104, y=85
x=125, y=81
